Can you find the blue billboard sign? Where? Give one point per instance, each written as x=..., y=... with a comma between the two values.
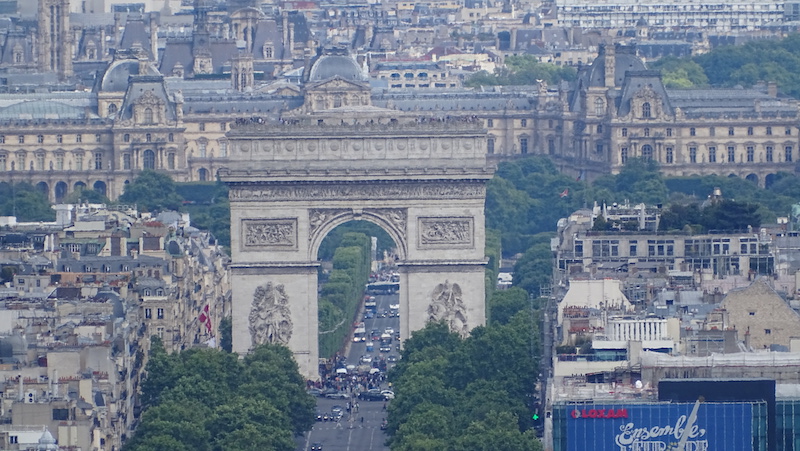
x=660, y=427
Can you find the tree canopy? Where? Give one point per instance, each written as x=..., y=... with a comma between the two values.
x=152, y=191
x=25, y=202
x=209, y=400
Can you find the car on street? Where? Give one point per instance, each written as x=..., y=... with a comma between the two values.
x=319, y=416
x=316, y=447
x=336, y=412
x=366, y=359
x=392, y=358
x=385, y=348
x=387, y=394
x=337, y=395
x=389, y=331
x=314, y=392
x=371, y=395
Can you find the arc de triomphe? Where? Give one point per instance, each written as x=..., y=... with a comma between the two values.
x=292, y=182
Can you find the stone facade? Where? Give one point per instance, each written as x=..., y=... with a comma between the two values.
x=760, y=313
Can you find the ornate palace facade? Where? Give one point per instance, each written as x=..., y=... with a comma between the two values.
x=142, y=113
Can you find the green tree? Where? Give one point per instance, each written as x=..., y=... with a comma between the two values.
x=226, y=334
x=83, y=194
x=25, y=202
x=504, y=304
x=152, y=191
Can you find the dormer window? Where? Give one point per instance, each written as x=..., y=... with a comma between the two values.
x=148, y=116
x=268, y=51
x=646, y=111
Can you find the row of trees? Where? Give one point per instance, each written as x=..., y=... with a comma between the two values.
x=341, y=293
x=475, y=394
x=210, y=400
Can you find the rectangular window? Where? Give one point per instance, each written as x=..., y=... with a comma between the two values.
x=749, y=131
x=40, y=139
x=623, y=155
x=160, y=313
x=787, y=153
x=59, y=139
x=148, y=313
x=551, y=146
x=126, y=161
x=712, y=131
x=78, y=138
x=692, y=132
x=171, y=161
x=97, y=138
x=223, y=148
x=632, y=249
x=201, y=126
x=79, y=162
x=60, y=162
x=769, y=130
x=669, y=132
x=731, y=154
x=599, y=148
x=693, y=154
x=523, y=123
x=490, y=123
x=490, y=146
x=223, y=126
x=523, y=145
x=624, y=132
x=769, y=154
x=730, y=131
x=670, y=156
x=712, y=154
x=21, y=139
x=98, y=160
x=2, y=162
x=202, y=145
x=751, y=154
x=788, y=131
x=2, y=139
x=40, y=162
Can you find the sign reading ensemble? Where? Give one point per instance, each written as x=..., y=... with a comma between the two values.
x=660, y=427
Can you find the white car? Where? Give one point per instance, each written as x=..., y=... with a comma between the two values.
x=389, y=331
x=366, y=359
x=387, y=394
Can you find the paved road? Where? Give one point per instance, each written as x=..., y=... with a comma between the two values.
x=350, y=434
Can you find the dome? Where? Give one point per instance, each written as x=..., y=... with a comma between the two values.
x=330, y=66
x=115, y=79
x=47, y=442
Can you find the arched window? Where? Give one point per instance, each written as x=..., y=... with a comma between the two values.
x=646, y=112
x=149, y=159
x=647, y=152
x=148, y=116
x=599, y=107
x=202, y=174
x=112, y=109
x=337, y=101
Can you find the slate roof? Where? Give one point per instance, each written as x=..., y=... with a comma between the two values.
x=42, y=109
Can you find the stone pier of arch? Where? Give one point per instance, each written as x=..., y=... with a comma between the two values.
x=292, y=183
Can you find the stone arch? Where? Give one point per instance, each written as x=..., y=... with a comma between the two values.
x=61, y=191
x=752, y=178
x=79, y=185
x=334, y=218
x=202, y=174
x=732, y=176
x=100, y=187
x=769, y=180
x=43, y=188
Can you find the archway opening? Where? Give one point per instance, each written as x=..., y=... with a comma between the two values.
x=61, y=191
x=43, y=188
x=202, y=174
x=358, y=299
x=769, y=180
x=100, y=187
x=752, y=178
x=79, y=186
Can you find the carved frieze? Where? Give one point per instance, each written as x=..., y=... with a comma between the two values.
x=397, y=217
x=446, y=232
x=447, y=304
x=317, y=217
x=349, y=192
x=275, y=234
x=270, y=319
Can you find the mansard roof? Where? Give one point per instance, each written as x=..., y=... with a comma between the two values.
x=625, y=60
x=635, y=82
x=149, y=86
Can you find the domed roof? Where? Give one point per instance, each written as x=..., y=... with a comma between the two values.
x=329, y=66
x=116, y=76
x=47, y=442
